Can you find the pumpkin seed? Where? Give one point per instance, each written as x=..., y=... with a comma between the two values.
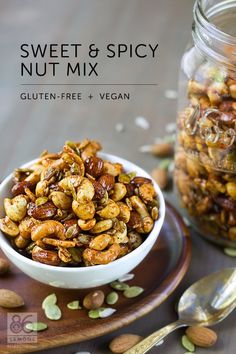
x=36, y=326
x=49, y=300
x=41, y=200
x=74, y=305
x=187, y=344
x=230, y=251
x=126, y=277
x=117, y=285
x=165, y=163
x=52, y=312
x=106, y=312
x=94, y=314
x=112, y=298
x=133, y=291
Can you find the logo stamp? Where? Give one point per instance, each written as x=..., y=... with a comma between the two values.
x=17, y=333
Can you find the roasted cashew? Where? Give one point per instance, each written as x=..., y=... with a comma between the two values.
x=140, y=207
x=16, y=208
x=26, y=226
x=113, y=169
x=124, y=212
x=89, y=148
x=83, y=211
x=102, y=226
x=46, y=228
x=94, y=257
x=71, y=157
x=118, y=192
x=87, y=225
x=100, y=242
x=110, y=211
x=9, y=227
x=70, y=183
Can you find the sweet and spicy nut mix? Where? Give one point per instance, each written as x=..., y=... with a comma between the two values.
x=73, y=208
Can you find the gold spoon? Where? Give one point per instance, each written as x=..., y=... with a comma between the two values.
x=206, y=302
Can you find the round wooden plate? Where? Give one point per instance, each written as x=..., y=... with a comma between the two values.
x=159, y=274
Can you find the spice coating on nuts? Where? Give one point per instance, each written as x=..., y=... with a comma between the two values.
x=73, y=208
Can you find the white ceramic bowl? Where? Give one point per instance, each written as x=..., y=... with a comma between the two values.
x=84, y=277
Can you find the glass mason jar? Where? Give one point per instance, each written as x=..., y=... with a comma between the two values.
x=205, y=157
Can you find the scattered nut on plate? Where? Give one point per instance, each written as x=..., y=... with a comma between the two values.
x=10, y=299
x=4, y=266
x=201, y=336
x=73, y=208
x=124, y=342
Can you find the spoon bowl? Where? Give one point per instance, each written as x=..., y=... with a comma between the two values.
x=209, y=300
x=206, y=302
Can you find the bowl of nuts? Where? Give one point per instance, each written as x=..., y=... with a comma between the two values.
x=79, y=218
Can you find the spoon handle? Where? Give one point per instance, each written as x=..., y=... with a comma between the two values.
x=146, y=344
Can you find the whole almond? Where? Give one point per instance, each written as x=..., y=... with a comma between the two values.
x=107, y=181
x=160, y=175
x=94, y=300
x=4, y=266
x=93, y=166
x=201, y=336
x=124, y=342
x=162, y=149
x=10, y=299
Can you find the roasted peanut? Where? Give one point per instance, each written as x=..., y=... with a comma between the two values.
x=61, y=200
x=16, y=208
x=102, y=226
x=147, y=192
x=83, y=211
x=46, y=228
x=85, y=191
x=9, y=227
x=21, y=242
x=100, y=242
x=94, y=257
x=110, y=211
x=118, y=192
x=124, y=214
x=41, y=189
